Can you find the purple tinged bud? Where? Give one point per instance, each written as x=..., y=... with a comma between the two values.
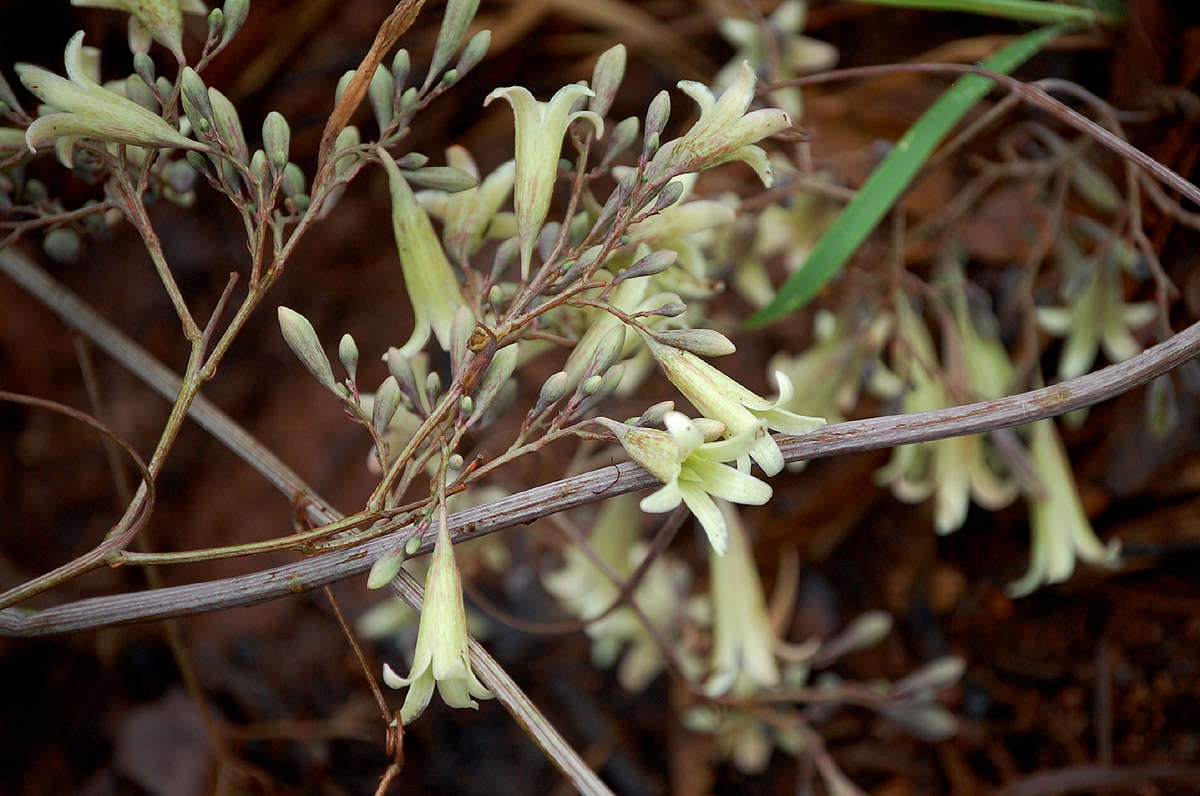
x=701, y=342
x=606, y=78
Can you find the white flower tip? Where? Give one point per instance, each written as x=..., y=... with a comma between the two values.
x=392, y=679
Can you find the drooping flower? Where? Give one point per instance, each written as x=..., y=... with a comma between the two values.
x=1097, y=317
x=586, y=592
x=163, y=19
x=954, y=470
x=85, y=109
x=724, y=131
x=440, y=657
x=779, y=45
x=431, y=283
x=692, y=470
x=743, y=656
x=743, y=413
x=540, y=127
x=1060, y=528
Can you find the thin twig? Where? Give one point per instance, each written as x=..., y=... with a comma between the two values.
x=524, y=507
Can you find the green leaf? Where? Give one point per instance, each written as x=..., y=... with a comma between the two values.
x=892, y=177
x=1033, y=11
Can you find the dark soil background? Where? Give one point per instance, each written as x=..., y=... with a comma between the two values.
x=1101, y=675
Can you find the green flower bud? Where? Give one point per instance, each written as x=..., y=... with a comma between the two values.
x=442, y=178
x=342, y=83
x=656, y=119
x=164, y=86
x=400, y=68
x=553, y=390
x=651, y=264
x=293, y=180
x=591, y=385
x=180, y=175
x=216, y=22
x=143, y=65
x=348, y=354
x=140, y=92
x=347, y=139
x=606, y=78
x=451, y=77
x=466, y=405
x=474, y=52
x=236, y=12
x=229, y=126
x=455, y=462
x=702, y=342
x=408, y=99
x=380, y=95
x=63, y=245
x=413, y=544
x=455, y=23
x=624, y=133
x=386, y=568
x=387, y=401
x=302, y=339
x=277, y=138
x=195, y=100
x=433, y=385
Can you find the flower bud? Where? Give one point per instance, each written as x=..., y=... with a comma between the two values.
x=216, y=22
x=342, y=83
x=195, y=100
x=380, y=94
x=229, y=126
x=553, y=389
x=63, y=245
x=137, y=90
x=654, y=415
x=591, y=385
x=451, y=77
x=302, y=339
x=651, y=264
x=236, y=12
x=347, y=139
x=455, y=462
x=656, y=119
x=348, y=354
x=277, y=137
x=466, y=405
x=433, y=385
x=143, y=66
x=180, y=175
x=455, y=22
x=702, y=342
x=624, y=133
x=387, y=401
x=400, y=68
x=442, y=178
x=138, y=37
x=932, y=677
x=606, y=78
x=293, y=180
x=865, y=631
x=387, y=567
x=474, y=52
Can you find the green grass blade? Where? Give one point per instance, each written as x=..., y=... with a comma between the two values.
x=893, y=175
x=1037, y=12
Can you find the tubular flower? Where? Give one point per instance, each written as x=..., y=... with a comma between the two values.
x=725, y=131
x=953, y=470
x=540, y=127
x=162, y=18
x=1097, y=317
x=432, y=285
x=441, y=653
x=743, y=413
x=1061, y=531
x=466, y=214
x=743, y=657
x=691, y=471
x=587, y=592
x=88, y=110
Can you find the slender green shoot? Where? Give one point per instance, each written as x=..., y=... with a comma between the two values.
x=1038, y=12
x=889, y=180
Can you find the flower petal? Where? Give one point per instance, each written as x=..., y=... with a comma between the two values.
x=727, y=483
x=662, y=500
x=707, y=513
